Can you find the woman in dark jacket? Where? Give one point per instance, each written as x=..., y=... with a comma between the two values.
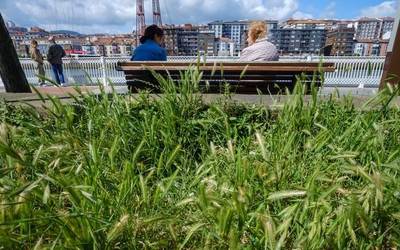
x=150, y=48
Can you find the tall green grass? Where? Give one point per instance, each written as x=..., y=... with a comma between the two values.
x=124, y=172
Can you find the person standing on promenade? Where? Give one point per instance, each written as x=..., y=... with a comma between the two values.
x=150, y=48
x=38, y=59
x=54, y=56
x=259, y=48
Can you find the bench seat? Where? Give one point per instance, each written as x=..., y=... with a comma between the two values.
x=246, y=78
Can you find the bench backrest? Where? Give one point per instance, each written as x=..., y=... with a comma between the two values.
x=238, y=67
x=269, y=77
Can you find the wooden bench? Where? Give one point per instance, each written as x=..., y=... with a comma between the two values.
x=244, y=78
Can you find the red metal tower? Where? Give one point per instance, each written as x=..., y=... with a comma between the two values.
x=140, y=18
x=157, y=13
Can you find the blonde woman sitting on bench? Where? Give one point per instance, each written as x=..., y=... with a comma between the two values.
x=259, y=49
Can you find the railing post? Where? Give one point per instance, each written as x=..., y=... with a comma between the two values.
x=103, y=71
x=204, y=58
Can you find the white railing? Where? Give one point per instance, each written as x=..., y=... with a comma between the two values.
x=350, y=71
x=82, y=71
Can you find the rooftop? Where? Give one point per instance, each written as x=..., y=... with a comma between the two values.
x=376, y=19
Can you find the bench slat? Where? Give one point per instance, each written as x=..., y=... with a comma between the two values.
x=239, y=64
x=269, y=77
x=236, y=67
x=224, y=77
x=249, y=69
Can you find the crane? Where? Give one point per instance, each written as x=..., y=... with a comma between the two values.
x=157, y=13
x=140, y=17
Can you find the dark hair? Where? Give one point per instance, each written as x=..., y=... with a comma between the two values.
x=151, y=32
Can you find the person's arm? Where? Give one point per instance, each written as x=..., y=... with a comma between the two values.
x=245, y=55
x=163, y=56
x=39, y=57
x=50, y=54
x=63, y=51
x=133, y=55
x=33, y=57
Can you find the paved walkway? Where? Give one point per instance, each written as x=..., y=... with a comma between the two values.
x=64, y=92
x=360, y=96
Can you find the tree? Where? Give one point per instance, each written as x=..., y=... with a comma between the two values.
x=11, y=72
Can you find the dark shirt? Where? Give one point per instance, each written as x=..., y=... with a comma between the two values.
x=328, y=50
x=149, y=51
x=55, y=54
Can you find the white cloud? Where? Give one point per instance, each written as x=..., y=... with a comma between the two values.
x=181, y=11
x=119, y=15
x=90, y=16
x=86, y=16
x=387, y=8
x=302, y=15
x=329, y=11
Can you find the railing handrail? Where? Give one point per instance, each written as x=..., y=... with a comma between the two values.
x=354, y=71
x=230, y=57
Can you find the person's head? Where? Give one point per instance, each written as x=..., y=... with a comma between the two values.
x=34, y=44
x=154, y=33
x=257, y=30
x=52, y=39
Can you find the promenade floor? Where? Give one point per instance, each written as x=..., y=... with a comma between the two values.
x=360, y=96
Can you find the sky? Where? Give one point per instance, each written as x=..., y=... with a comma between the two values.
x=118, y=16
